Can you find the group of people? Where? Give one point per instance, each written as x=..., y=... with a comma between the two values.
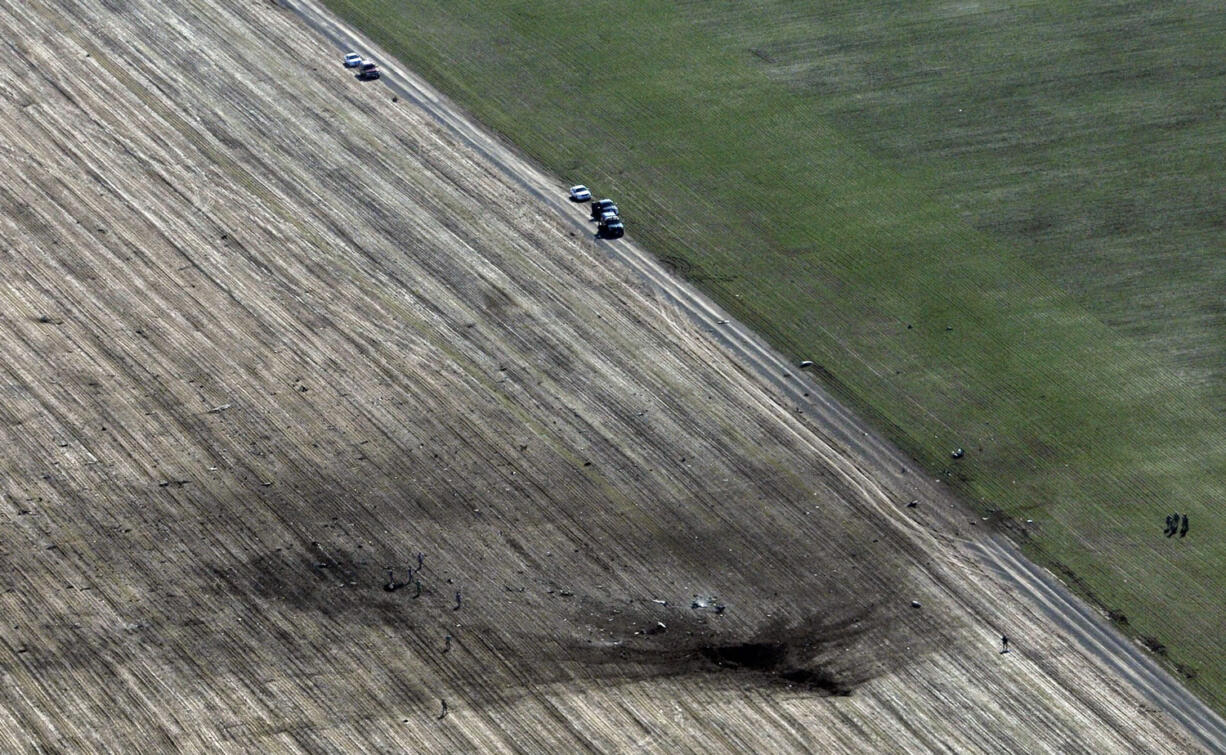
x=1176, y=523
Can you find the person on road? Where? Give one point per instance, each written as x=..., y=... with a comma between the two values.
x=1004, y=642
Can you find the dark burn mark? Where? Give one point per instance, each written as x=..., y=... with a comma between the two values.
x=846, y=639
x=774, y=659
x=330, y=581
x=826, y=658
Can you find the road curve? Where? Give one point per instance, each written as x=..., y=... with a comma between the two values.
x=836, y=423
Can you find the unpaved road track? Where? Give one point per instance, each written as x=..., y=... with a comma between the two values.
x=267, y=333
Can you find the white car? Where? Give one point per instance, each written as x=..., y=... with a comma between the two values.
x=580, y=193
x=353, y=60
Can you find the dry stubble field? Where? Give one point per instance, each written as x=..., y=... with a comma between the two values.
x=267, y=333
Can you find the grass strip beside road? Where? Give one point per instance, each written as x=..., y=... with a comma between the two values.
x=944, y=335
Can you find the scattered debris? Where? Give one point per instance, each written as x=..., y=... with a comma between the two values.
x=915, y=604
x=392, y=585
x=699, y=604
x=658, y=628
x=219, y=409
x=657, y=600
x=912, y=504
x=806, y=364
x=957, y=453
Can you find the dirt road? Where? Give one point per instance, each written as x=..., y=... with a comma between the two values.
x=269, y=333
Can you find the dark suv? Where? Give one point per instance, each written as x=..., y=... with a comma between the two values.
x=611, y=228
x=601, y=207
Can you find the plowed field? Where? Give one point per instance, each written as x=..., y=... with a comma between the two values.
x=269, y=333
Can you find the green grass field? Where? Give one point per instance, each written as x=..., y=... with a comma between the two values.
x=997, y=227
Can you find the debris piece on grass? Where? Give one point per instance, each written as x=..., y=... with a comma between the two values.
x=912, y=504
x=806, y=364
x=957, y=453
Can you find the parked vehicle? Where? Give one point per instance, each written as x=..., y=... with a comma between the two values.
x=611, y=228
x=353, y=60
x=580, y=193
x=599, y=208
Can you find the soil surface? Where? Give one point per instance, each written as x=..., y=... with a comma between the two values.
x=325, y=433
